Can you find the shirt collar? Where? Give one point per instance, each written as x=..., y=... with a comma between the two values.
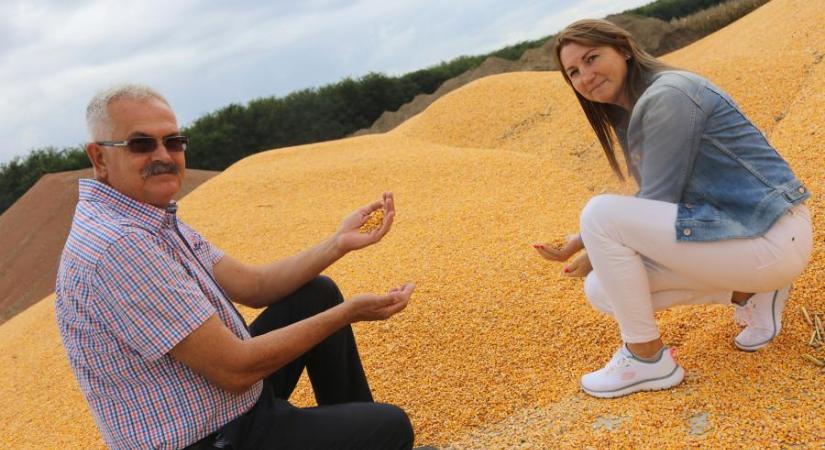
x=143, y=213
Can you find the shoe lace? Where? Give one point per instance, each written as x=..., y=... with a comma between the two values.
x=743, y=315
x=620, y=361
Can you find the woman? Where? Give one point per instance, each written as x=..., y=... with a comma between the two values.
x=718, y=218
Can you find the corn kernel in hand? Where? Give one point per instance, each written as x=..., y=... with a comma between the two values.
x=373, y=222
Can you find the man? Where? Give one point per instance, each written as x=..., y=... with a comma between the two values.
x=143, y=304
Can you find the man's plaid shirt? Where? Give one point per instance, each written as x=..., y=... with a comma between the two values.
x=128, y=291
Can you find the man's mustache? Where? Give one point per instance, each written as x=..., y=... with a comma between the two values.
x=159, y=168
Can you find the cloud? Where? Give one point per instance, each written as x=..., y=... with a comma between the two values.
x=204, y=55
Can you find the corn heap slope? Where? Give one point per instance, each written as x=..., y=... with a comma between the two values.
x=489, y=352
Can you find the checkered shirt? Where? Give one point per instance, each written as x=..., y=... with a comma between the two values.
x=128, y=291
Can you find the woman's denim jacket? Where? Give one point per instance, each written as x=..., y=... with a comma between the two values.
x=688, y=143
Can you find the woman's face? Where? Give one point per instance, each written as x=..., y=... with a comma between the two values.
x=597, y=73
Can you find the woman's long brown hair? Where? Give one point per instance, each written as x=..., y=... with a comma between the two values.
x=604, y=117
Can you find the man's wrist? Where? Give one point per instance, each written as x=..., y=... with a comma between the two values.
x=333, y=248
x=344, y=313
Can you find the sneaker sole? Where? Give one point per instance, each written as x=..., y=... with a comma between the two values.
x=753, y=348
x=657, y=384
x=776, y=326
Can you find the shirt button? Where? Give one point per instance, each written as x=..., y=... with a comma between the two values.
x=687, y=232
x=801, y=190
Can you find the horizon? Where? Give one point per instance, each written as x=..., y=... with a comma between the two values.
x=64, y=52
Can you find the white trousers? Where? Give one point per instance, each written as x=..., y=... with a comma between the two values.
x=639, y=267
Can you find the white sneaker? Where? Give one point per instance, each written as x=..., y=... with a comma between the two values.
x=741, y=314
x=626, y=374
x=762, y=318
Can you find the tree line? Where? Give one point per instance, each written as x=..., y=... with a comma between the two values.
x=320, y=114
x=673, y=9
x=333, y=111
x=233, y=132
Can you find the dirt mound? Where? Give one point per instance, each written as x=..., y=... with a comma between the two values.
x=390, y=119
x=33, y=231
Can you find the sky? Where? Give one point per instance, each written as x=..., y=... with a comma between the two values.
x=205, y=54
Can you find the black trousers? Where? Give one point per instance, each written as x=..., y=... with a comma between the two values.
x=346, y=416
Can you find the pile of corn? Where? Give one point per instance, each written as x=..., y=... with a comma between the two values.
x=489, y=352
x=374, y=222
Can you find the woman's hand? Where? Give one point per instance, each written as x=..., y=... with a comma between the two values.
x=579, y=267
x=349, y=237
x=573, y=245
x=367, y=307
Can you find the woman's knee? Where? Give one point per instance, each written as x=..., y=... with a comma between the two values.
x=596, y=294
x=598, y=209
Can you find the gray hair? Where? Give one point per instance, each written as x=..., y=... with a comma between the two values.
x=97, y=113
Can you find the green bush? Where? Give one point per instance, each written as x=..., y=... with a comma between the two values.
x=330, y=112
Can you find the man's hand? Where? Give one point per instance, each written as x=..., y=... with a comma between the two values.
x=573, y=245
x=216, y=353
x=366, y=307
x=349, y=238
x=260, y=286
x=579, y=267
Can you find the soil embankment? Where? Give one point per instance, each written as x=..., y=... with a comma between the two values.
x=33, y=231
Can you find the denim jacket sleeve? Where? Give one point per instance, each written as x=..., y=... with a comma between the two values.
x=663, y=140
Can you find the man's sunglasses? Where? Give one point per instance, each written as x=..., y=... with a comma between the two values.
x=146, y=144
